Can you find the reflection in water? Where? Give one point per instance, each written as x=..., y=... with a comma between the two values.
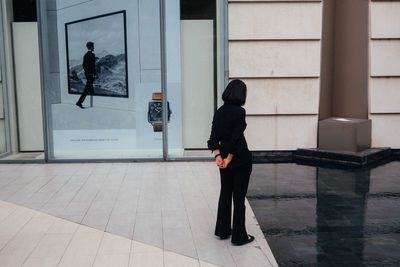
x=329, y=217
x=341, y=206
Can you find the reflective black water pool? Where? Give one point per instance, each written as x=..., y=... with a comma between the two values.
x=318, y=216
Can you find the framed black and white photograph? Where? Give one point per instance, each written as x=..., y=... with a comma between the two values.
x=97, y=55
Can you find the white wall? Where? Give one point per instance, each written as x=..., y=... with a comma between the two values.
x=384, y=81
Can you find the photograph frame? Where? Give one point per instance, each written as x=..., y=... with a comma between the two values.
x=123, y=13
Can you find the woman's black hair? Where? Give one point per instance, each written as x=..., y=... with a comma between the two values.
x=235, y=93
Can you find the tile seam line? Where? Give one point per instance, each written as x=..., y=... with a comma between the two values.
x=44, y=235
x=91, y=203
x=187, y=218
x=115, y=200
x=136, y=211
x=98, y=247
x=72, y=237
x=76, y=193
x=37, y=244
x=71, y=175
x=19, y=229
x=11, y=213
x=19, y=188
x=25, y=201
x=130, y=253
x=191, y=232
x=10, y=181
x=13, y=237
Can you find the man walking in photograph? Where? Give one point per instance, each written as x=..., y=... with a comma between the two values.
x=90, y=72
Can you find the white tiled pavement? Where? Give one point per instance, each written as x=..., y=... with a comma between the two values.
x=118, y=214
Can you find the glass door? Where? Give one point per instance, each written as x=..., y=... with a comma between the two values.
x=4, y=133
x=195, y=56
x=21, y=127
x=102, y=78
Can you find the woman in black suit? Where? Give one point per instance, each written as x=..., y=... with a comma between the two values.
x=234, y=159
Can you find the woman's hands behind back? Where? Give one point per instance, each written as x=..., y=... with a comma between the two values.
x=226, y=161
x=218, y=161
x=222, y=163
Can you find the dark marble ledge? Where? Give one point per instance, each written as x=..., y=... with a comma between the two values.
x=317, y=157
x=372, y=157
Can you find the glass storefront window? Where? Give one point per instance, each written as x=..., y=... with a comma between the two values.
x=101, y=79
x=102, y=64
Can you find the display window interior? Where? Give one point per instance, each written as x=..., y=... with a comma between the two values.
x=97, y=76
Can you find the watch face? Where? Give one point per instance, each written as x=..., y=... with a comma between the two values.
x=155, y=111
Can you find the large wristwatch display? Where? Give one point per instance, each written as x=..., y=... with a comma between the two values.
x=154, y=115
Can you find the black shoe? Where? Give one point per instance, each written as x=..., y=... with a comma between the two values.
x=80, y=105
x=222, y=237
x=251, y=239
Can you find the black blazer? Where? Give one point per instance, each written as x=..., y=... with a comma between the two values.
x=227, y=129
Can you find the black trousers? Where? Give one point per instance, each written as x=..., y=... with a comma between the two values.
x=88, y=89
x=234, y=182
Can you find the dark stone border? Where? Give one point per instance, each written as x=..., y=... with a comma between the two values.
x=395, y=154
x=361, y=159
x=367, y=158
x=272, y=156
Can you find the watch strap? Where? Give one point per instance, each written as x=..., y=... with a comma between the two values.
x=157, y=127
x=157, y=96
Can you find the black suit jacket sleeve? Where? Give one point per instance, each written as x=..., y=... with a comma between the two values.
x=213, y=142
